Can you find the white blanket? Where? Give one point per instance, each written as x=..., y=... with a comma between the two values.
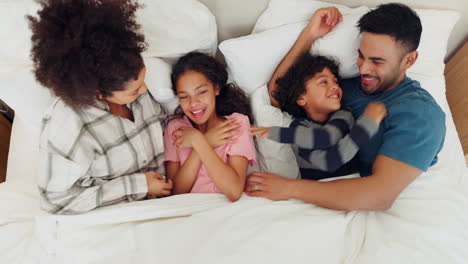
x=427, y=224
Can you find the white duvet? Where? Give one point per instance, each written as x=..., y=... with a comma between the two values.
x=427, y=224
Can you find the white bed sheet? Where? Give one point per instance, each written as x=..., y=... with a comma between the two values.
x=196, y=228
x=207, y=228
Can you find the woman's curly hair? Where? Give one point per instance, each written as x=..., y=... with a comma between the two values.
x=293, y=83
x=231, y=99
x=85, y=47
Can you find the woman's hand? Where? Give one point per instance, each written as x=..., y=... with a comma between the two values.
x=269, y=185
x=221, y=133
x=261, y=132
x=186, y=137
x=157, y=185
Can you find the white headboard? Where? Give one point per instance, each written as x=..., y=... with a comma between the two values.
x=237, y=17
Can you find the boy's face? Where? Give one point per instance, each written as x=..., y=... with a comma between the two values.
x=322, y=95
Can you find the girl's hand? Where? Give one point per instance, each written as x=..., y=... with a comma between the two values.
x=186, y=137
x=157, y=186
x=261, y=132
x=221, y=134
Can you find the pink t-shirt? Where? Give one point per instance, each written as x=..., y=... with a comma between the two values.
x=243, y=146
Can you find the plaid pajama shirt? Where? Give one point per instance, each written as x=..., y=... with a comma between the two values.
x=91, y=158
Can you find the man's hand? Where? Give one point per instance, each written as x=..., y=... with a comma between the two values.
x=323, y=21
x=269, y=185
x=157, y=186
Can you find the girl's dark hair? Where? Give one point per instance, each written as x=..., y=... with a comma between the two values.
x=231, y=99
x=82, y=48
x=293, y=83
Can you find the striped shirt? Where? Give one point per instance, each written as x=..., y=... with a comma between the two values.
x=322, y=150
x=92, y=158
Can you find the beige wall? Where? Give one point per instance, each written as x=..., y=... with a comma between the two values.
x=237, y=17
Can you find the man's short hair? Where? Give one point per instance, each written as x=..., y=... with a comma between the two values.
x=394, y=19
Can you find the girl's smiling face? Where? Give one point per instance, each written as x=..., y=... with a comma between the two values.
x=197, y=97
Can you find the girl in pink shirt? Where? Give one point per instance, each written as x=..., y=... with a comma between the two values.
x=209, y=147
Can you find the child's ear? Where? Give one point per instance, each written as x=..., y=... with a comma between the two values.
x=217, y=90
x=301, y=101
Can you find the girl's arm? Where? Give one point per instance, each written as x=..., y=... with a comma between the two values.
x=184, y=176
x=228, y=177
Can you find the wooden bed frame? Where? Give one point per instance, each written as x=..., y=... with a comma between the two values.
x=456, y=79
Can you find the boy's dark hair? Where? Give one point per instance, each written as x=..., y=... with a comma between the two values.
x=231, y=99
x=82, y=48
x=293, y=83
x=394, y=19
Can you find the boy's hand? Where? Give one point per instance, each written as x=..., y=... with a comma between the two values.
x=157, y=186
x=323, y=21
x=221, y=134
x=376, y=111
x=261, y=132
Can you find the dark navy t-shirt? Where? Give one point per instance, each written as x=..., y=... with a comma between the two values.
x=413, y=130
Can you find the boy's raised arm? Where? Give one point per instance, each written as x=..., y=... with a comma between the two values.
x=322, y=22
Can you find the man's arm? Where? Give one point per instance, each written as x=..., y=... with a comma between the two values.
x=373, y=193
x=322, y=22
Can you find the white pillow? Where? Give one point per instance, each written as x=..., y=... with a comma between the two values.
x=252, y=59
x=194, y=29
x=285, y=12
x=279, y=158
x=21, y=91
x=175, y=27
x=437, y=26
x=171, y=27
x=158, y=81
x=16, y=43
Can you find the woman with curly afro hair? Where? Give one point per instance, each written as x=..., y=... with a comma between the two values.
x=102, y=138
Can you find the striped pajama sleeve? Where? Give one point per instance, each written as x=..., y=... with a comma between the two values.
x=333, y=156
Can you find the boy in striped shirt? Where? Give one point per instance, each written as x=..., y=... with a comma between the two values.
x=324, y=137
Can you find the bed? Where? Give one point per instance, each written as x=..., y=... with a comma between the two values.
x=428, y=223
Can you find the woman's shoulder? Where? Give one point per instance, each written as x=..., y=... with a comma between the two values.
x=60, y=113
